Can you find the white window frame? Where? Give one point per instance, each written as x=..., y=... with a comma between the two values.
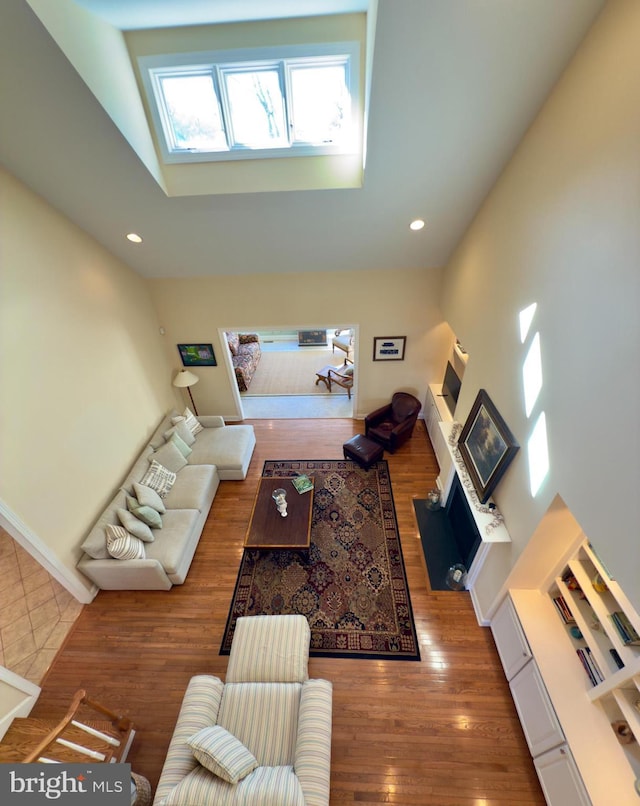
x=214, y=63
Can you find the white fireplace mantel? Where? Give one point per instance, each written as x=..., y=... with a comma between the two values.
x=487, y=517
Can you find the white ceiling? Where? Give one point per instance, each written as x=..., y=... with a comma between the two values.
x=455, y=85
x=132, y=14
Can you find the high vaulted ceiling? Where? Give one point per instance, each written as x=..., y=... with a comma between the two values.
x=139, y=14
x=455, y=85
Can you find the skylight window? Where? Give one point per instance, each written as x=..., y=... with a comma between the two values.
x=227, y=105
x=256, y=107
x=321, y=101
x=191, y=113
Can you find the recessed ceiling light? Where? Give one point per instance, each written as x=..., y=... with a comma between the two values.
x=134, y=237
x=416, y=225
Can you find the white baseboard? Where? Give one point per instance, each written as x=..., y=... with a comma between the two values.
x=481, y=618
x=30, y=691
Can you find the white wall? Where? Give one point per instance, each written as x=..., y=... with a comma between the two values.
x=380, y=303
x=562, y=228
x=83, y=379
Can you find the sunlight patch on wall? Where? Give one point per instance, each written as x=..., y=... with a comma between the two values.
x=532, y=381
x=532, y=375
x=526, y=318
x=538, y=452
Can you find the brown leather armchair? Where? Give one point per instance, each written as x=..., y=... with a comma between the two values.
x=392, y=425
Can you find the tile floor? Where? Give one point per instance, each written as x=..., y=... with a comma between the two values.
x=36, y=612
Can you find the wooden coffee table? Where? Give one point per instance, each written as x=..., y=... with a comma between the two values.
x=268, y=529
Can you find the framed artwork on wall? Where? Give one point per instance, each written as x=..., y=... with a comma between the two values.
x=389, y=348
x=486, y=445
x=197, y=355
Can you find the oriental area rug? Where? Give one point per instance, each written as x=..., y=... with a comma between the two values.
x=351, y=585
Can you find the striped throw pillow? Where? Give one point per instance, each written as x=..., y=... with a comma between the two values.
x=159, y=478
x=123, y=546
x=222, y=754
x=192, y=423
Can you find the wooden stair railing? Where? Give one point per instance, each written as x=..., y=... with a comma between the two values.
x=74, y=740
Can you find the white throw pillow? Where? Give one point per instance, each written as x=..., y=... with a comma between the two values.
x=136, y=526
x=159, y=479
x=143, y=513
x=149, y=498
x=181, y=445
x=123, y=546
x=222, y=754
x=170, y=457
x=182, y=430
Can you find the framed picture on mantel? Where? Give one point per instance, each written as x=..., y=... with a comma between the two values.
x=389, y=348
x=486, y=445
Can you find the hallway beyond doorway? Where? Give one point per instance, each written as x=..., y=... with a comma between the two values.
x=286, y=393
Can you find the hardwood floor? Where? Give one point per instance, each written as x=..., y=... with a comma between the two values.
x=440, y=731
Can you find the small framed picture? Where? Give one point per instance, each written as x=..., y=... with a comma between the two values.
x=197, y=355
x=389, y=348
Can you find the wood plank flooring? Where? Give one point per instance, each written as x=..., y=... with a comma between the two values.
x=440, y=731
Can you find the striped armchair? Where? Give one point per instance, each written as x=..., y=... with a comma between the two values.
x=264, y=736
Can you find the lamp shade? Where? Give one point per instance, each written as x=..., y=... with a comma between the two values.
x=185, y=378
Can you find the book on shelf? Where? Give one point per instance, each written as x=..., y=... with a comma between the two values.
x=590, y=666
x=616, y=659
x=563, y=610
x=580, y=653
x=302, y=483
x=599, y=559
x=622, y=633
x=594, y=665
x=628, y=634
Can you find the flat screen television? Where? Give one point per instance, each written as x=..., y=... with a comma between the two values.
x=451, y=387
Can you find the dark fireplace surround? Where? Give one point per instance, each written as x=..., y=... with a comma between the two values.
x=461, y=524
x=449, y=535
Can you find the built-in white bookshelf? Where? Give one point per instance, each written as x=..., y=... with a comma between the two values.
x=587, y=704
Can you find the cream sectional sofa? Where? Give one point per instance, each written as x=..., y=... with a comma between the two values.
x=270, y=708
x=219, y=452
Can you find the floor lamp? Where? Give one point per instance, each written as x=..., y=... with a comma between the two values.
x=183, y=380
